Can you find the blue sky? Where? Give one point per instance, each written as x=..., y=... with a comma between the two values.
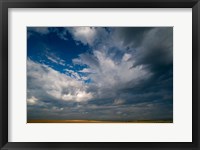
x=100, y=73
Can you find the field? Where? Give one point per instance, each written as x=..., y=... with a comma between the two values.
x=99, y=121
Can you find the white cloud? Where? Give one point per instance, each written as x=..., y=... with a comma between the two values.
x=86, y=70
x=40, y=30
x=32, y=100
x=76, y=61
x=126, y=57
x=53, y=58
x=116, y=73
x=112, y=75
x=73, y=74
x=86, y=59
x=79, y=96
x=84, y=34
x=76, y=75
x=51, y=83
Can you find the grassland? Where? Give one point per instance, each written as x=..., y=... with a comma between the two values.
x=99, y=121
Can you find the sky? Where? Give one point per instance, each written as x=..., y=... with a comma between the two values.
x=100, y=73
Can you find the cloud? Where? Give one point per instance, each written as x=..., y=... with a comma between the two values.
x=131, y=75
x=126, y=57
x=118, y=101
x=86, y=59
x=147, y=46
x=45, y=83
x=129, y=37
x=40, y=30
x=140, y=111
x=32, y=100
x=86, y=35
x=61, y=33
x=127, y=73
x=86, y=70
x=108, y=76
x=75, y=75
x=53, y=58
x=158, y=50
x=91, y=36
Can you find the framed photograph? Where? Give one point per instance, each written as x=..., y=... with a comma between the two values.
x=101, y=75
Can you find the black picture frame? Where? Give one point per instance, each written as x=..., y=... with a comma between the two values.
x=6, y=4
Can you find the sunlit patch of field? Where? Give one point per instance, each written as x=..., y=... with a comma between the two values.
x=99, y=121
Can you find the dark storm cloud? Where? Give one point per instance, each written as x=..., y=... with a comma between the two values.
x=155, y=53
x=131, y=36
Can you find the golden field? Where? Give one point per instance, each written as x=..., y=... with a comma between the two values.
x=99, y=121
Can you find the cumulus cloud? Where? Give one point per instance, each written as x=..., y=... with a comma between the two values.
x=111, y=74
x=46, y=83
x=84, y=34
x=91, y=36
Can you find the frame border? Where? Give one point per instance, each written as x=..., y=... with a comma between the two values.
x=6, y=4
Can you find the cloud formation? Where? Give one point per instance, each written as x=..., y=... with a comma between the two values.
x=84, y=34
x=53, y=58
x=125, y=73
x=44, y=82
x=40, y=30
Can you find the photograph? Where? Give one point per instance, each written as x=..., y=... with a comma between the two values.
x=99, y=74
